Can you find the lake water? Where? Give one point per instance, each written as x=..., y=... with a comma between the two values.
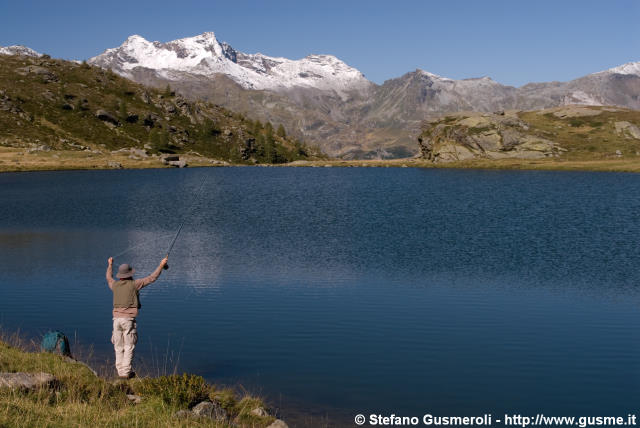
x=341, y=291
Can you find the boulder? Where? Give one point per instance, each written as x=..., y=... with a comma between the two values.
x=210, y=410
x=170, y=158
x=139, y=152
x=105, y=116
x=182, y=414
x=183, y=105
x=259, y=411
x=135, y=399
x=627, y=129
x=27, y=381
x=278, y=423
x=151, y=119
x=114, y=165
x=170, y=108
x=144, y=96
x=178, y=164
x=48, y=95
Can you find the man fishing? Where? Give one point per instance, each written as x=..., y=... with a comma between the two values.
x=126, y=303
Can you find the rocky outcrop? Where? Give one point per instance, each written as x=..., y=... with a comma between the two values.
x=26, y=381
x=627, y=129
x=205, y=409
x=467, y=136
x=47, y=75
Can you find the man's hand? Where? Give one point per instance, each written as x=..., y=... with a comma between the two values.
x=110, y=261
x=164, y=261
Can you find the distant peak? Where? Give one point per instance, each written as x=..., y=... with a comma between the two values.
x=19, y=50
x=431, y=75
x=135, y=38
x=628, y=68
x=207, y=36
x=484, y=78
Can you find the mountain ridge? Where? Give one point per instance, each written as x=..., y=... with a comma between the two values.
x=322, y=100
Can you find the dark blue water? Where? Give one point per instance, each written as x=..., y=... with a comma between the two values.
x=344, y=291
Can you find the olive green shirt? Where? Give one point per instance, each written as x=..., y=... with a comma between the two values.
x=139, y=284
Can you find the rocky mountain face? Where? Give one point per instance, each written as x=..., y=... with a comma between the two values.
x=327, y=103
x=570, y=132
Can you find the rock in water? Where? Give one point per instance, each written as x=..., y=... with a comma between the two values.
x=278, y=423
x=26, y=381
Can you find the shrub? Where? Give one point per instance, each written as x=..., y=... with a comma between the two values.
x=183, y=390
x=226, y=398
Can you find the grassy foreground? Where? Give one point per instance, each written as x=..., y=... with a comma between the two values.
x=82, y=399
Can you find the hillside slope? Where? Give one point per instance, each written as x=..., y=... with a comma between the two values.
x=55, y=106
x=571, y=133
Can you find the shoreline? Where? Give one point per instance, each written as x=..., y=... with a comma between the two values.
x=13, y=160
x=41, y=388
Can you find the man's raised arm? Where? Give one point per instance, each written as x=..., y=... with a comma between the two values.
x=143, y=282
x=110, y=280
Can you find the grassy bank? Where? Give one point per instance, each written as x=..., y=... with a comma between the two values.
x=80, y=398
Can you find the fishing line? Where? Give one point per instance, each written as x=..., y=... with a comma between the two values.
x=149, y=241
x=197, y=197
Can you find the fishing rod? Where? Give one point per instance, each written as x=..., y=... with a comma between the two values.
x=175, y=238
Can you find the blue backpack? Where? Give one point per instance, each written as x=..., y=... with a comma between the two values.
x=57, y=342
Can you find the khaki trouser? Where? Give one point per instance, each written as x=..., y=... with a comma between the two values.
x=124, y=339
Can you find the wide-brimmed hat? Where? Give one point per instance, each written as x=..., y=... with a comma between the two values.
x=125, y=271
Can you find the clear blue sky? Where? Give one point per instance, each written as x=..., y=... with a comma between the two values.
x=514, y=41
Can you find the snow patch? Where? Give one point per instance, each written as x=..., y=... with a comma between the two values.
x=19, y=50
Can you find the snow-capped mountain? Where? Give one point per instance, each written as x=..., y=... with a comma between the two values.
x=204, y=55
x=324, y=101
x=18, y=50
x=628, y=68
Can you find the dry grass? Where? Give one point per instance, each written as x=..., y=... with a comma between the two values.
x=15, y=159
